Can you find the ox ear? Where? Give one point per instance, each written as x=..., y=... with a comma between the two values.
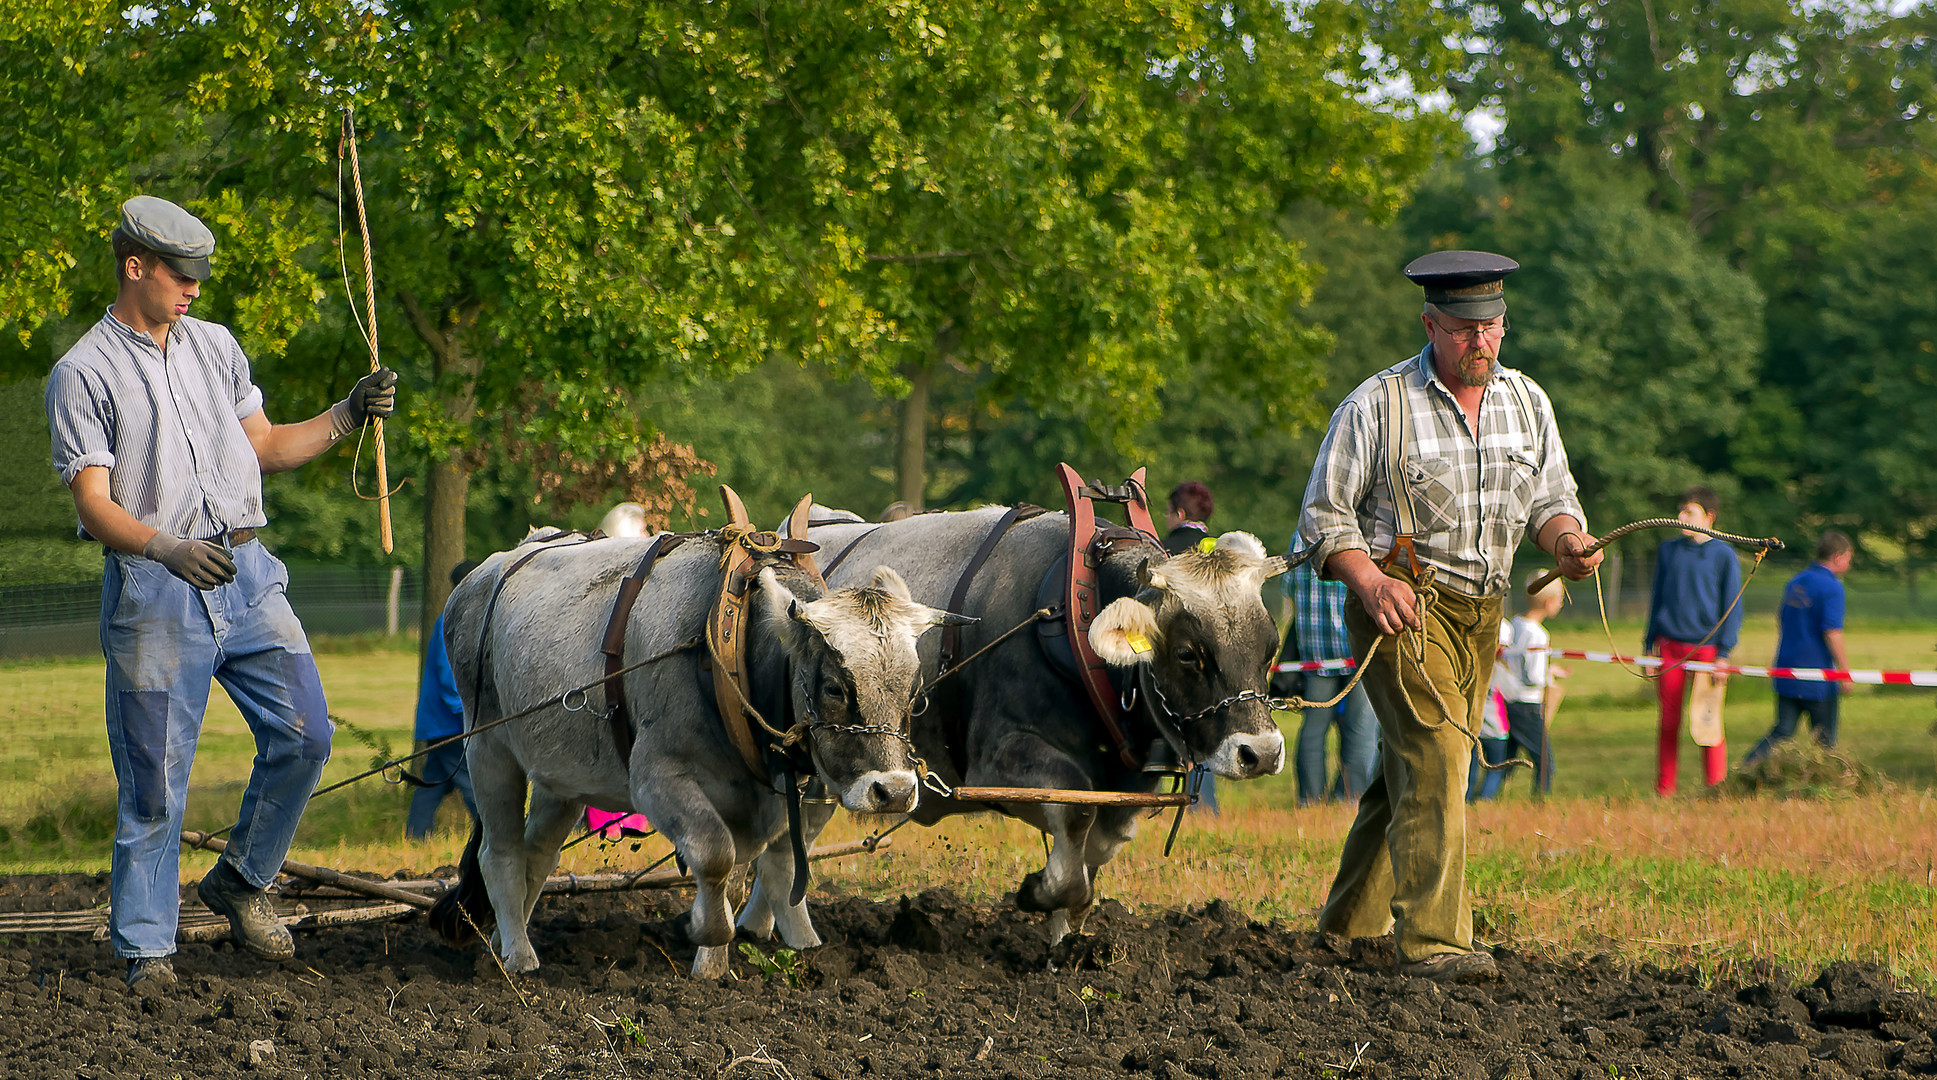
x=890, y=582
x=1124, y=633
x=779, y=600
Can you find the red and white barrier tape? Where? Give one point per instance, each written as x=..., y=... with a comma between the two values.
x=1880, y=678
x=1346, y=664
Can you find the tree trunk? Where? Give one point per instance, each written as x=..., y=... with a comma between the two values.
x=445, y=492
x=910, y=466
x=448, y=485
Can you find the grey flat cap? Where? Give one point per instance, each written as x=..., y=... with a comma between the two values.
x=171, y=232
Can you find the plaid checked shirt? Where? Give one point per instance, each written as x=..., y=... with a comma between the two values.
x=1318, y=613
x=1474, y=498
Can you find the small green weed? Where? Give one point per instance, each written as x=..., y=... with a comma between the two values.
x=632, y=1030
x=785, y=965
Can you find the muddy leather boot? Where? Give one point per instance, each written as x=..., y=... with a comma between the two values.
x=1463, y=967
x=154, y=970
x=251, y=920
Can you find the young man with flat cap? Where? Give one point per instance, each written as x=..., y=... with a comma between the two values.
x=1432, y=471
x=160, y=435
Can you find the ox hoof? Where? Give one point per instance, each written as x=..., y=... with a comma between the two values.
x=1056, y=927
x=711, y=962
x=521, y=965
x=1030, y=896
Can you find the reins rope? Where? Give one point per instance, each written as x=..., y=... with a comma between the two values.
x=562, y=700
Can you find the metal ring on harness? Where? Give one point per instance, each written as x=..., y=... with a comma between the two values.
x=565, y=701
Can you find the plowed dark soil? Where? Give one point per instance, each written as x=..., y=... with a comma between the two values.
x=929, y=986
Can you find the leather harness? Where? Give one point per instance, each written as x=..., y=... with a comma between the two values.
x=613, y=643
x=746, y=553
x=1079, y=595
x=1089, y=546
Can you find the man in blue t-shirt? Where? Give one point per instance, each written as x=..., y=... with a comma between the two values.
x=440, y=715
x=1809, y=634
x=1693, y=614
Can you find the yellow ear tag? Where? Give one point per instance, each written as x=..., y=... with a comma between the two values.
x=1138, y=643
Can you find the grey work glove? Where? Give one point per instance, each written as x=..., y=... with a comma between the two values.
x=375, y=395
x=198, y=562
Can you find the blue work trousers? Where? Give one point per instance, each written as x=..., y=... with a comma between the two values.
x=164, y=640
x=444, y=771
x=1358, y=741
x=1789, y=712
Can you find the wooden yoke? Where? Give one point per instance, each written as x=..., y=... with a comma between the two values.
x=743, y=553
x=1088, y=547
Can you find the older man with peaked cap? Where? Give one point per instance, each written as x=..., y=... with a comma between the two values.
x=1430, y=474
x=160, y=435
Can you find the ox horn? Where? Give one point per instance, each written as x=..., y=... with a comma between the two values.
x=1149, y=575
x=1275, y=565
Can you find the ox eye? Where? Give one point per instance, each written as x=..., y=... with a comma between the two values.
x=1188, y=657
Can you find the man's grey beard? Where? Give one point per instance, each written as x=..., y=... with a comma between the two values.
x=1481, y=377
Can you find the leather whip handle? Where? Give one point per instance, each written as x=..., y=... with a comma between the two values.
x=1553, y=575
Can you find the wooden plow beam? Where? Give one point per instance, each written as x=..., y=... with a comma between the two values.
x=1069, y=798
x=407, y=897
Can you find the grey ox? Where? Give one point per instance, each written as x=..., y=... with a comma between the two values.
x=847, y=660
x=1187, y=635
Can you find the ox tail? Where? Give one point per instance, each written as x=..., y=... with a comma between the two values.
x=464, y=910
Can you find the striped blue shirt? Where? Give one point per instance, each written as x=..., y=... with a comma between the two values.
x=168, y=430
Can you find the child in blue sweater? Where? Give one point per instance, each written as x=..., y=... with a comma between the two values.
x=1692, y=615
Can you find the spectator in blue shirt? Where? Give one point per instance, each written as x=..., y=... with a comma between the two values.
x=1692, y=615
x=440, y=715
x=1318, y=633
x=1809, y=634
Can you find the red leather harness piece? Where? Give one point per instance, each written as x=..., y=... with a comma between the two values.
x=1089, y=546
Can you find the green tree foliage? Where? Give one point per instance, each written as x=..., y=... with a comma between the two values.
x=1872, y=330
x=1647, y=344
x=1795, y=143
x=1077, y=203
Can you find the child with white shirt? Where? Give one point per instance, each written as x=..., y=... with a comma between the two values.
x=1520, y=677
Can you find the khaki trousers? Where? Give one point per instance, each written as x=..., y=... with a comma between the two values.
x=1404, y=864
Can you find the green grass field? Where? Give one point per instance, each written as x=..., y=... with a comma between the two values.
x=1604, y=865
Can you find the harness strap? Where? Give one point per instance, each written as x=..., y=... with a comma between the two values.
x=613, y=644
x=1083, y=596
x=835, y=563
x=497, y=590
x=1398, y=438
x=952, y=634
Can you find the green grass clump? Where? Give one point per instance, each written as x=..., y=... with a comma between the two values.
x=1803, y=768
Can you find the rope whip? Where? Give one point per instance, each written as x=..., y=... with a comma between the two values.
x=1763, y=545
x=348, y=138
